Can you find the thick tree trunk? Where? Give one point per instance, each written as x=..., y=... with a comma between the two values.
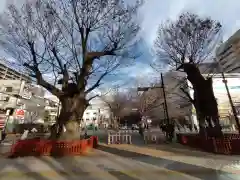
x=70, y=118
x=205, y=101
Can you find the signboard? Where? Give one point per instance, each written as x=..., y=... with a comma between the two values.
x=20, y=113
x=25, y=91
x=2, y=120
x=233, y=85
x=142, y=88
x=220, y=94
x=26, y=94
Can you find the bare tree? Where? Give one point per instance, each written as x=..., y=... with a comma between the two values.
x=150, y=100
x=121, y=104
x=116, y=103
x=185, y=43
x=77, y=42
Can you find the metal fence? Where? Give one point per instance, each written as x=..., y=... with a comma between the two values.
x=119, y=138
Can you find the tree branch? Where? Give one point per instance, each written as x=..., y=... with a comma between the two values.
x=97, y=84
x=55, y=91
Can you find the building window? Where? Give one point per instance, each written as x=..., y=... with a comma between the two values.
x=8, y=89
x=94, y=118
x=95, y=113
x=87, y=119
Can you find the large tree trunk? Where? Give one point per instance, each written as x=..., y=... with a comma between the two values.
x=70, y=118
x=205, y=101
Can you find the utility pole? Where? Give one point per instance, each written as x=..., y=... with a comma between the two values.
x=165, y=100
x=164, y=96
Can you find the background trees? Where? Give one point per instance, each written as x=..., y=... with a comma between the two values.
x=76, y=42
x=185, y=43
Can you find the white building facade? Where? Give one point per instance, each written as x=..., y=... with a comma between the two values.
x=52, y=109
x=25, y=102
x=8, y=73
x=96, y=114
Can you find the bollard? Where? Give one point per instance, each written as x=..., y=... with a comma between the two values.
x=129, y=139
x=154, y=138
x=118, y=138
x=126, y=139
x=150, y=138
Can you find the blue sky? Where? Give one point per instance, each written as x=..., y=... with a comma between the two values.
x=155, y=12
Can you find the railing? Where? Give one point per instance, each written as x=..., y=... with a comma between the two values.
x=150, y=138
x=119, y=138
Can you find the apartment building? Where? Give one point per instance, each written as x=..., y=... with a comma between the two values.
x=228, y=54
x=25, y=102
x=97, y=113
x=52, y=108
x=8, y=73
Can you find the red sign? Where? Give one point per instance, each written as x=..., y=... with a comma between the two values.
x=19, y=112
x=2, y=121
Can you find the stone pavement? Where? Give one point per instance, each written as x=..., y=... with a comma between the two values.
x=124, y=162
x=179, y=149
x=199, y=167
x=97, y=166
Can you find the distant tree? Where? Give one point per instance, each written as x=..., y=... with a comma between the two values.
x=116, y=102
x=185, y=43
x=150, y=100
x=76, y=42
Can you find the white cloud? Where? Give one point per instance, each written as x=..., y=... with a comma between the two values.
x=138, y=70
x=155, y=12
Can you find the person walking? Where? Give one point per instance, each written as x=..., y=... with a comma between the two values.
x=141, y=128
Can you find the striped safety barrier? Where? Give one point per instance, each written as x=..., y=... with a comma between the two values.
x=118, y=138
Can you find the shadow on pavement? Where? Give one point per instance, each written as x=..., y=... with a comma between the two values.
x=177, y=148
x=119, y=175
x=73, y=169
x=192, y=170
x=70, y=168
x=27, y=173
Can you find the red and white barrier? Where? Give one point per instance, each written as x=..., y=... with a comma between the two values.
x=118, y=138
x=128, y=131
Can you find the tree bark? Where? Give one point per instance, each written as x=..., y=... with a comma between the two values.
x=205, y=101
x=70, y=117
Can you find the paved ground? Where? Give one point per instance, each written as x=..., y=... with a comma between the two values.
x=99, y=166
x=125, y=162
x=111, y=163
